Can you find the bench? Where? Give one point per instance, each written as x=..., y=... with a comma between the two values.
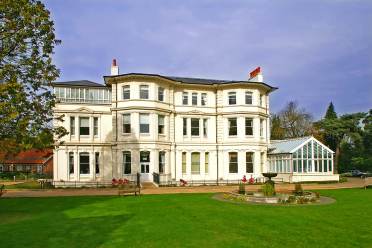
x=2, y=190
x=367, y=182
x=130, y=188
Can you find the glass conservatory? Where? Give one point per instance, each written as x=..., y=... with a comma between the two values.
x=306, y=157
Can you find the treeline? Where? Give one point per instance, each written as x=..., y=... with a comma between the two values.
x=348, y=135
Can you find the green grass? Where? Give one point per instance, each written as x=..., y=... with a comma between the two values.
x=185, y=220
x=25, y=185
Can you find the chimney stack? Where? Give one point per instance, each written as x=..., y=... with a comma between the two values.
x=114, y=68
x=256, y=75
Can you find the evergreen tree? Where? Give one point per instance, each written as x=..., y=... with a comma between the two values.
x=331, y=113
x=329, y=139
x=27, y=42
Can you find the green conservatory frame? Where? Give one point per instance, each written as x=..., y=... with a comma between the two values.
x=309, y=157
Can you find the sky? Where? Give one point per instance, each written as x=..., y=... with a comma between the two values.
x=315, y=51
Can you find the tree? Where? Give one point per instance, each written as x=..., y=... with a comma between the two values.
x=277, y=131
x=330, y=140
x=331, y=113
x=27, y=42
x=295, y=121
x=344, y=129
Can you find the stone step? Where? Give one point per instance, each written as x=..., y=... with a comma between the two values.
x=148, y=185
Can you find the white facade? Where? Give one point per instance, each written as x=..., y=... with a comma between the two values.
x=190, y=129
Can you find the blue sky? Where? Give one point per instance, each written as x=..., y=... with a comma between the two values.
x=314, y=51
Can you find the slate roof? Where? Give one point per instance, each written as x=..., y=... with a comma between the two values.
x=189, y=80
x=86, y=83
x=286, y=146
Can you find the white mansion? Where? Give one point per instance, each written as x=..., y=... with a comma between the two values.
x=173, y=127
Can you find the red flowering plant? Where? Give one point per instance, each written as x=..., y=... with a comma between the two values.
x=244, y=180
x=114, y=182
x=183, y=182
x=251, y=180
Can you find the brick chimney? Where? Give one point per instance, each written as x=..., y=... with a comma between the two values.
x=114, y=68
x=256, y=75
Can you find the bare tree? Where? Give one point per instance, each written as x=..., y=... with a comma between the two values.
x=295, y=121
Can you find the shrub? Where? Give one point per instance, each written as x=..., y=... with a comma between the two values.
x=298, y=189
x=242, y=188
x=317, y=195
x=268, y=188
x=343, y=179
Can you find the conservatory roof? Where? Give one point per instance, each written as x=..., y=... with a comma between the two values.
x=286, y=146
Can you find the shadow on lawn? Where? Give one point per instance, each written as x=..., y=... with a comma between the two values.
x=54, y=228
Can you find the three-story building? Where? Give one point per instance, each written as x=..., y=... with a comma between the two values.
x=180, y=128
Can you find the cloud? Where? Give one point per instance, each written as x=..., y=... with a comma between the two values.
x=315, y=51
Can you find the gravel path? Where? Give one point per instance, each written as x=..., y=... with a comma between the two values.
x=352, y=183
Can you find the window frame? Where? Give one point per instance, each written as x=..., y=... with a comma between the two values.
x=205, y=127
x=249, y=164
x=194, y=129
x=185, y=98
x=161, y=164
x=126, y=92
x=72, y=125
x=161, y=94
x=161, y=127
x=230, y=126
x=197, y=164
x=143, y=126
x=203, y=99
x=84, y=154
x=247, y=127
x=144, y=92
x=80, y=127
x=71, y=162
x=126, y=162
x=126, y=126
x=184, y=126
x=95, y=126
x=233, y=164
x=194, y=99
x=96, y=162
x=231, y=97
x=248, y=96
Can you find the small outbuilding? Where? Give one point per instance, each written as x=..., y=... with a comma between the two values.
x=30, y=161
x=302, y=159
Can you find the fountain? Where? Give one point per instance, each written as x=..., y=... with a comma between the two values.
x=268, y=195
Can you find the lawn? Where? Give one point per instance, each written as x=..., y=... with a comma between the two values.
x=184, y=220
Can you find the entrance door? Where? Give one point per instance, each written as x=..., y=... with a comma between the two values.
x=145, y=165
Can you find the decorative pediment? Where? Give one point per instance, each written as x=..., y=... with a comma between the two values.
x=194, y=112
x=84, y=110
